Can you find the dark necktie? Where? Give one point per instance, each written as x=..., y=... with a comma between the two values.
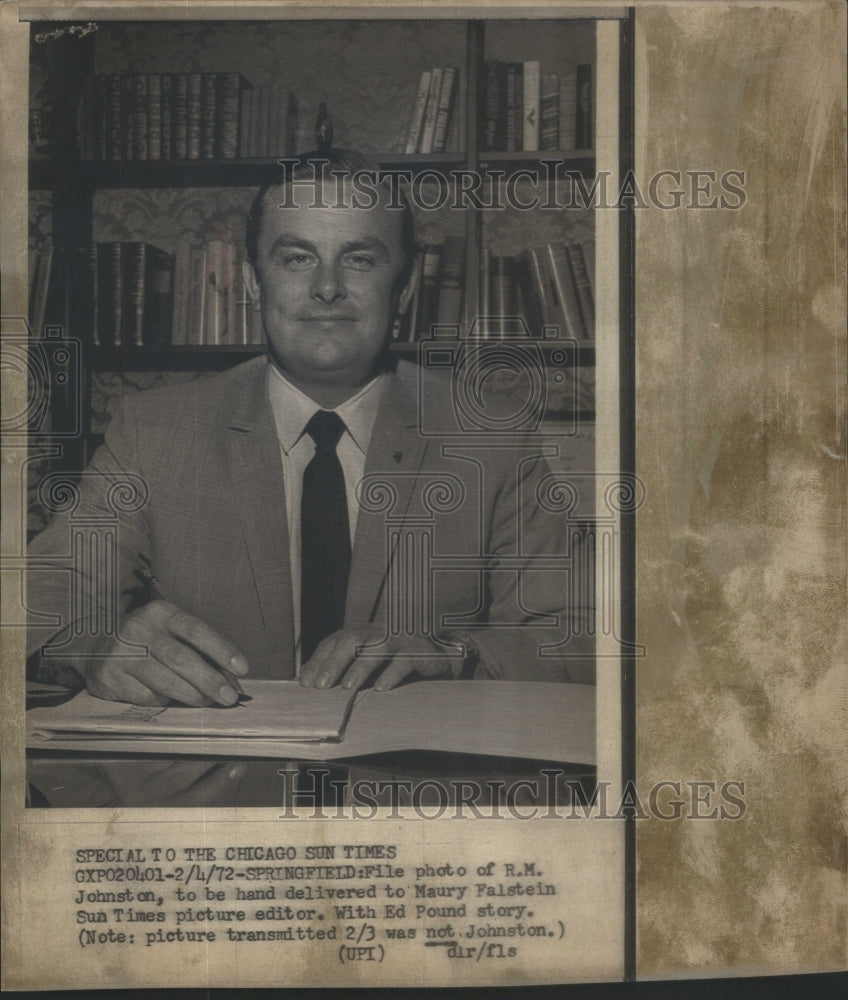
x=325, y=536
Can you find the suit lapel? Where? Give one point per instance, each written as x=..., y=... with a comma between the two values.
x=252, y=451
x=396, y=451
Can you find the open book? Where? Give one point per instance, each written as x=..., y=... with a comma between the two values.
x=533, y=720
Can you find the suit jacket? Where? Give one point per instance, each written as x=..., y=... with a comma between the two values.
x=450, y=539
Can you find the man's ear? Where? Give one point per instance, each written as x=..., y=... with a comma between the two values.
x=251, y=282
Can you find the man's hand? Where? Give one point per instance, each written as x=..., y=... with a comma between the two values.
x=335, y=660
x=186, y=661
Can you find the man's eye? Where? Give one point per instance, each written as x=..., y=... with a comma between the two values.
x=297, y=260
x=360, y=261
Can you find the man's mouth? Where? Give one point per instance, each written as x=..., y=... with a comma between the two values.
x=328, y=318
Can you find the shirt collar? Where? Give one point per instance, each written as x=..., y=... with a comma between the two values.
x=293, y=410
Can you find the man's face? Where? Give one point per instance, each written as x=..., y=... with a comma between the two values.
x=328, y=283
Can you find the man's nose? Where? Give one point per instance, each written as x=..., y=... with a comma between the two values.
x=328, y=283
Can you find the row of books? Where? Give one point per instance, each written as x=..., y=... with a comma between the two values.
x=526, y=109
x=183, y=116
x=212, y=306
x=134, y=294
x=547, y=285
x=432, y=112
x=518, y=295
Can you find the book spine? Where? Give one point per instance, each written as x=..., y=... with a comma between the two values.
x=154, y=116
x=449, y=311
x=40, y=288
x=494, y=138
x=566, y=295
x=549, y=127
x=263, y=120
x=244, y=113
x=537, y=265
x=276, y=125
x=182, y=284
x=93, y=293
x=584, y=135
x=140, y=120
x=214, y=301
x=158, y=297
x=112, y=115
x=444, y=111
x=429, y=127
x=504, y=291
x=484, y=292
x=530, y=306
x=291, y=125
x=243, y=303
x=229, y=86
x=255, y=120
x=428, y=301
x=110, y=286
x=532, y=109
x=568, y=108
x=134, y=266
x=167, y=116
x=583, y=287
x=196, y=296
x=127, y=128
x=227, y=292
x=408, y=332
x=179, y=116
x=514, y=106
x=82, y=304
x=194, y=98
x=418, y=109
x=208, y=110
x=101, y=101
x=87, y=116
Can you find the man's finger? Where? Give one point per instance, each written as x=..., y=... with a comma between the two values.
x=188, y=670
x=402, y=666
x=206, y=640
x=112, y=681
x=339, y=659
x=311, y=669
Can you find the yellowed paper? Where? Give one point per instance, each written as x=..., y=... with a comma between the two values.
x=738, y=198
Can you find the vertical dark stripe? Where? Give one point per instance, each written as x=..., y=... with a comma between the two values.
x=627, y=258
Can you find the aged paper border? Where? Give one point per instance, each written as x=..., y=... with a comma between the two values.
x=697, y=916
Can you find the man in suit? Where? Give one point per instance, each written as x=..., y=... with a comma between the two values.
x=318, y=513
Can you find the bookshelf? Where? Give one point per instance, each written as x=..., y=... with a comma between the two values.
x=370, y=94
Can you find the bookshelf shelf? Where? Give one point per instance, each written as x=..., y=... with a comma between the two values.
x=581, y=354
x=170, y=358
x=93, y=175
x=217, y=358
x=580, y=160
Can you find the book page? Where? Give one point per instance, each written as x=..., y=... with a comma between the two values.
x=276, y=709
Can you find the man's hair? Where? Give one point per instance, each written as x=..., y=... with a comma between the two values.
x=324, y=167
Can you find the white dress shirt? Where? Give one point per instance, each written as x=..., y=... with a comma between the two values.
x=292, y=411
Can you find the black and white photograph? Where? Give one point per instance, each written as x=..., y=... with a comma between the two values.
x=401, y=412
